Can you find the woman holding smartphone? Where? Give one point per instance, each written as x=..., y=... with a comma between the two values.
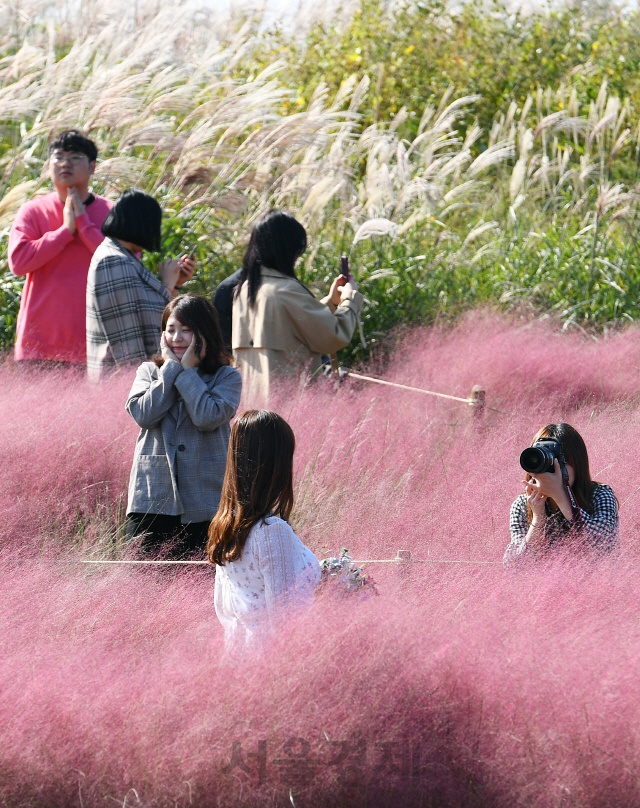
x=183, y=402
x=279, y=327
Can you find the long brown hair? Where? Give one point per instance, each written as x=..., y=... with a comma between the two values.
x=258, y=482
x=277, y=240
x=200, y=315
x=575, y=454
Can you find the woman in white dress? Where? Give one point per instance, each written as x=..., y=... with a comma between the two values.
x=262, y=567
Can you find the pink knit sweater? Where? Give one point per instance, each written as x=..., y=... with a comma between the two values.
x=51, y=322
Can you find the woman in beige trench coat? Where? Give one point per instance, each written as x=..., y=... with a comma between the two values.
x=279, y=327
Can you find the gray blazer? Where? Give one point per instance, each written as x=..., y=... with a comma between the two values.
x=181, y=451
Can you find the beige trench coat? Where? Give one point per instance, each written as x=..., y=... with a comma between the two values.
x=286, y=331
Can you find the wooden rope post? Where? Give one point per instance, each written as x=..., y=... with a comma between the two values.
x=335, y=369
x=404, y=564
x=477, y=402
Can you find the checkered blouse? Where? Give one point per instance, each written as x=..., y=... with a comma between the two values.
x=600, y=527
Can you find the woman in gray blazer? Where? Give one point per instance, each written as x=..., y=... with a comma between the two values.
x=182, y=401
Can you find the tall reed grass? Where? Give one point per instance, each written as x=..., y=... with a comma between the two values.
x=459, y=685
x=537, y=213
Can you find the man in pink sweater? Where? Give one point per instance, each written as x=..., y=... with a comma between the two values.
x=52, y=240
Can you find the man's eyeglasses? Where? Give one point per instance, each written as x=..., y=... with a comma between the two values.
x=72, y=157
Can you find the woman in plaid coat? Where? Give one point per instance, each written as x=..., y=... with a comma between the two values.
x=182, y=401
x=124, y=300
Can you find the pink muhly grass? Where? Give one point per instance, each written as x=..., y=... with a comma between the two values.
x=464, y=685
x=514, y=689
x=68, y=447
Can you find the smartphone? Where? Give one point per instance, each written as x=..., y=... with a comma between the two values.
x=190, y=256
x=345, y=268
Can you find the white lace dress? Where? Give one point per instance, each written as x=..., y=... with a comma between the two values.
x=275, y=570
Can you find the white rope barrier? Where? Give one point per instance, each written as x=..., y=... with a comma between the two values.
x=420, y=561
x=406, y=387
x=397, y=560
x=156, y=563
x=476, y=400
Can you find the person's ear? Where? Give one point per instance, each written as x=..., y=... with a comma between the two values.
x=92, y=166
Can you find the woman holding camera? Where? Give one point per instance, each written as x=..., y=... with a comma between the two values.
x=551, y=517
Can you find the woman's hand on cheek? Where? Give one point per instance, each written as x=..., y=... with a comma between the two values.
x=190, y=358
x=166, y=351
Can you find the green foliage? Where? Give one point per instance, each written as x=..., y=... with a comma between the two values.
x=580, y=274
x=373, y=115
x=216, y=254
x=414, y=51
x=10, y=290
x=577, y=274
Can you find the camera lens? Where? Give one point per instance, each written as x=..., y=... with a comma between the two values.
x=533, y=460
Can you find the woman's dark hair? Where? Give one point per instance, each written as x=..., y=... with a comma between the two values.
x=135, y=217
x=258, y=482
x=74, y=141
x=575, y=454
x=198, y=314
x=277, y=240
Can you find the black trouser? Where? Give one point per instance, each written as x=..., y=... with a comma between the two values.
x=156, y=529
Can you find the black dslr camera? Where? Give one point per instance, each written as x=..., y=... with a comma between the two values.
x=538, y=459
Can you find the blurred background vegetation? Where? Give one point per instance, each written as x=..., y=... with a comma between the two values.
x=499, y=148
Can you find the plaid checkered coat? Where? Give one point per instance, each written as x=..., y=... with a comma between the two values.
x=124, y=309
x=181, y=452
x=601, y=534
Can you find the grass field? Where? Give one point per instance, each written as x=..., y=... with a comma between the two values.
x=460, y=684
x=481, y=169
x=507, y=175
